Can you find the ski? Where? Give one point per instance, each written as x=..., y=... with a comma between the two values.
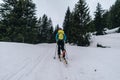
x=65, y=61
x=60, y=59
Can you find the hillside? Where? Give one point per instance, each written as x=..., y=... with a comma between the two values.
x=20, y=61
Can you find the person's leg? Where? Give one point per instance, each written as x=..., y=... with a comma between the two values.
x=62, y=45
x=63, y=49
x=58, y=49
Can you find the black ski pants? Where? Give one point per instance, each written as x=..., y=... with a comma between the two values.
x=60, y=46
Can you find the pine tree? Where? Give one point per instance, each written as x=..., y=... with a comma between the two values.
x=51, y=40
x=19, y=20
x=55, y=32
x=44, y=28
x=118, y=30
x=72, y=30
x=39, y=29
x=91, y=26
x=66, y=24
x=98, y=20
x=50, y=31
x=5, y=14
x=115, y=15
x=105, y=20
x=30, y=20
x=81, y=19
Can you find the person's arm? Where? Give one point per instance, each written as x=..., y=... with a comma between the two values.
x=65, y=37
x=56, y=37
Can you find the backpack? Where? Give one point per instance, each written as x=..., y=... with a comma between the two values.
x=60, y=34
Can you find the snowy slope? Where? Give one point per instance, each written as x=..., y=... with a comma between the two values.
x=112, y=39
x=35, y=62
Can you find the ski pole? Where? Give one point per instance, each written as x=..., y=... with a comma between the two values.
x=55, y=52
x=66, y=52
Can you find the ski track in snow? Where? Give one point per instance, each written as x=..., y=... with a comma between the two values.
x=37, y=63
x=10, y=75
x=26, y=68
x=66, y=71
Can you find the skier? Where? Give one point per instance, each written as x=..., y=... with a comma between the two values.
x=60, y=40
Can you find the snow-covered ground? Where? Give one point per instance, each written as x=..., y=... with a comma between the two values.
x=20, y=61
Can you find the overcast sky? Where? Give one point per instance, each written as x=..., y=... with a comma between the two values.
x=56, y=8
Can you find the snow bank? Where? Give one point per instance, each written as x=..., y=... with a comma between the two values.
x=35, y=62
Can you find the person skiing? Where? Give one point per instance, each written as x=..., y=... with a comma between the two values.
x=60, y=40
